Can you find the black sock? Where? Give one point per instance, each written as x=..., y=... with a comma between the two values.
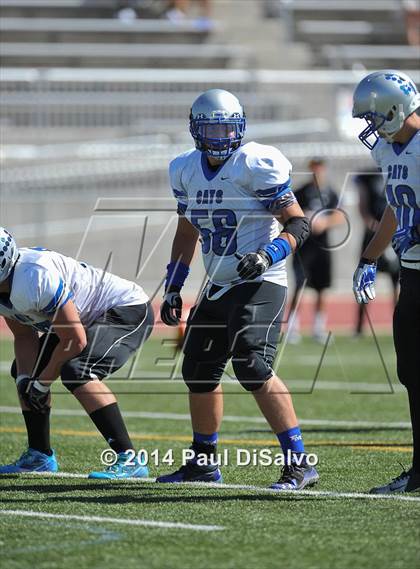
x=110, y=424
x=38, y=429
x=204, y=448
x=414, y=399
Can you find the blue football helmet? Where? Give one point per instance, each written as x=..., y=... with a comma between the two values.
x=384, y=99
x=217, y=123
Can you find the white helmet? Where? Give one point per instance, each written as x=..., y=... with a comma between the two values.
x=385, y=99
x=8, y=254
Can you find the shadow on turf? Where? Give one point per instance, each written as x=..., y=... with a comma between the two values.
x=139, y=497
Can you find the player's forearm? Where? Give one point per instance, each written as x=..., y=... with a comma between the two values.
x=383, y=236
x=26, y=353
x=65, y=351
x=184, y=243
x=290, y=239
x=182, y=251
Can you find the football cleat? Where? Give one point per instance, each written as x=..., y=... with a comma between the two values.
x=121, y=469
x=294, y=477
x=405, y=482
x=191, y=472
x=31, y=461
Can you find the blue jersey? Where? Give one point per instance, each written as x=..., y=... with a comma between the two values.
x=400, y=164
x=233, y=206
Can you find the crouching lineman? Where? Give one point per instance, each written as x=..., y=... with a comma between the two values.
x=232, y=197
x=91, y=323
x=388, y=100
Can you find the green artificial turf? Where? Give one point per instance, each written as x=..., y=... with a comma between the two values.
x=260, y=529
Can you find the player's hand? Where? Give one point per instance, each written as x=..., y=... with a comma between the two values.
x=364, y=281
x=404, y=239
x=171, y=308
x=252, y=265
x=34, y=394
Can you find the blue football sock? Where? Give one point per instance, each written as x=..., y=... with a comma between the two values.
x=291, y=443
x=205, y=439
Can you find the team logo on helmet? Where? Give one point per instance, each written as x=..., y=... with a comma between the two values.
x=8, y=254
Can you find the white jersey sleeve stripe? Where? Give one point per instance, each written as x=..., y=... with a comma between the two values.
x=275, y=191
x=180, y=195
x=56, y=301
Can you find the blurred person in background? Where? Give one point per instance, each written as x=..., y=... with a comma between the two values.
x=411, y=10
x=179, y=11
x=125, y=10
x=312, y=264
x=372, y=203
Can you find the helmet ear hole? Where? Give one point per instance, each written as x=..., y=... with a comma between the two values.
x=391, y=113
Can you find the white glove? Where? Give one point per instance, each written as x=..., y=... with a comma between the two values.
x=364, y=281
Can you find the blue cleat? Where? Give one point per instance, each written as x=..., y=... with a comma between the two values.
x=121, y=469
x=31, y=461
x=294, y=477
x=191, y=472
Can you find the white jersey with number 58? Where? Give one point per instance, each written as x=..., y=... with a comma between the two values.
x=231, y=206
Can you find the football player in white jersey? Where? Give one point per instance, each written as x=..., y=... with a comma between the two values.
x=389, y=101
x=70, y=320
x=232, y=197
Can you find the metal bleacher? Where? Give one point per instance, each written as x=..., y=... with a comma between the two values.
x=373, y=56
x=72, y=30
x=343, y=34
x=27, y=54
x=75, y=8
x=318, y=32
x=104, y=41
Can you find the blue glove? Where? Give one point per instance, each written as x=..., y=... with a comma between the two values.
x=364, y=281
x=404, y=239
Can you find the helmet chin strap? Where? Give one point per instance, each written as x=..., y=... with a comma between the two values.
x=388, y=137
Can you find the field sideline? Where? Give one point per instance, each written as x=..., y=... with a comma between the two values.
x=354, y=417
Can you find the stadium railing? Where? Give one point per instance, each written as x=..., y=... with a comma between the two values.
x=77, y=110
x=57, y=105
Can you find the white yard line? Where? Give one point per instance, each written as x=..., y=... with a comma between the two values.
x=227, y=418
x=314, y=493
x=304, y=386
x=105, y=520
